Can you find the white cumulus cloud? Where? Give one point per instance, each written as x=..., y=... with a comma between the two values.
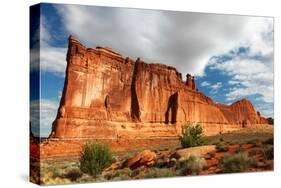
x=181, y=39
x=45, y=56
x=53, y=60
x=205, y=83
x=43, y=113
x=251, y=71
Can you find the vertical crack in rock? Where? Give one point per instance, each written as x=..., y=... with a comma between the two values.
x=107, y=102
x=135, y=108
x=171, y=113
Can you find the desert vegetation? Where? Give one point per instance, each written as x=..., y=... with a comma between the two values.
x=239, y=162
x=192, y=135
x=196, y=155
x=191, y=166
x=95, y=158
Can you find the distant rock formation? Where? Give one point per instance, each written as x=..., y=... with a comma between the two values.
x=108, y=96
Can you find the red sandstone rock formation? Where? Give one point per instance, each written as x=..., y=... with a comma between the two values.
x=108, y=96
x=242, y=112
x=144, y=158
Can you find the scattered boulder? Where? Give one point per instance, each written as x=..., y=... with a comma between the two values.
x=114, y=166
x=144, y=158
x=187, y=152
x=165, y=154
x=212, y=162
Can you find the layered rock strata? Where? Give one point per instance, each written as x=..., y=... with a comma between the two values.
x=110, y=96
x=107, y=96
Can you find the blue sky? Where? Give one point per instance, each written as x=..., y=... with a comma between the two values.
x=231, y=56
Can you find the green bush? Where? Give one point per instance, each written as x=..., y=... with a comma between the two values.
x=157, y=173
x=95, y=158
x=192, y=165
x=73, y=174
x=239, y=162
x=119, y=174
x=192, y=135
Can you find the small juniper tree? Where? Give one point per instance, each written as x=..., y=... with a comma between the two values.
x=95, y=158
x=192, y=135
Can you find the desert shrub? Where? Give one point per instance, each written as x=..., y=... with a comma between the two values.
x=166, y=163
x=157, y=172
x=119, y=174
x=73, y=174
x=47, y=180
x=255, y=151
x=192, y=165
x=192, y=135
x=240, y=149
x=221, y=147
x=238, y=162
x=95, y=158
x=269, y=141
x=268, y=152
x=161, y=163
x=122, y=177
x=56, y=172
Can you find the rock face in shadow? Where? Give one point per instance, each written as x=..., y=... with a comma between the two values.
x=108, y=96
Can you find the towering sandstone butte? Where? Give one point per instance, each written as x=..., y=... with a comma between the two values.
x=108, y=96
